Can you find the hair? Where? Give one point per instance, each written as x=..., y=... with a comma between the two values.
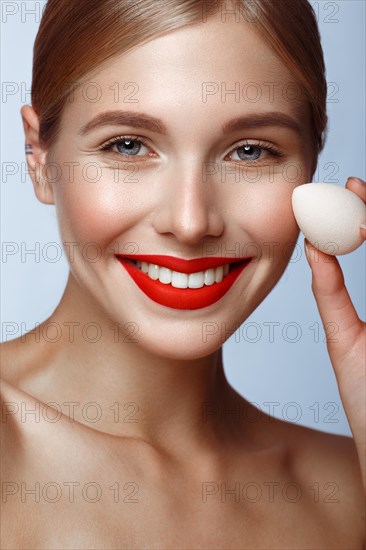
x=76, y=36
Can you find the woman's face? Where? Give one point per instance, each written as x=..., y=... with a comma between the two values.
x=191, y=189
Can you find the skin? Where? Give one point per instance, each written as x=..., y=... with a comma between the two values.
x=173, y=457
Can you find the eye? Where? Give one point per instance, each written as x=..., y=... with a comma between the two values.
x=254, y=151
x=127, y=146
x=248, y=152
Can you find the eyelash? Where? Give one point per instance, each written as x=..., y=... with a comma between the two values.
x=271, y=149
x=109, y=144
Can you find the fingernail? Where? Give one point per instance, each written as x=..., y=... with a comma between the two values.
x=363, y=225
x=354, y=178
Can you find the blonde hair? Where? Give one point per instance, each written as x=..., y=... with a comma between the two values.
x=75, y=36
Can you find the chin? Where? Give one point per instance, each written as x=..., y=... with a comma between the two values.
x=184, y=344
x=184, y=354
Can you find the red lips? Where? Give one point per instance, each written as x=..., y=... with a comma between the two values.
x=180, y=265
x=183, y=298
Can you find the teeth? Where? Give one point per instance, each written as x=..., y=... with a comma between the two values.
x=210, y=276
x=153, y=271
x=165, y=275
x=182, y=280
x=179, y=280
x=196, y=280
x=219, y=274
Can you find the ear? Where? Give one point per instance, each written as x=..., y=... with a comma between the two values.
x=36, y=155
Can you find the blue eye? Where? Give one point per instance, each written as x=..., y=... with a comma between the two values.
x=253, y=152
x=128, y=146
x=249, y=152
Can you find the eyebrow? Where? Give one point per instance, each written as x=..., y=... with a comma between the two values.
x=127, y=118
x=262, y=120
x=147, y=122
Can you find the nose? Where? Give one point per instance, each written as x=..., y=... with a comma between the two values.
x=188, y=206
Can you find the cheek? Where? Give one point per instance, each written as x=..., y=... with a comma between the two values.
x=94, y=211
x=268, y=219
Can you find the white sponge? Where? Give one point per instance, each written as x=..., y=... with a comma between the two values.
x=329, y=216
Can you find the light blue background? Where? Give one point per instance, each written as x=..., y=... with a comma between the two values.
x=295, y=380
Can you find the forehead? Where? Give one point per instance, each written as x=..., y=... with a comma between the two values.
x=213, y=68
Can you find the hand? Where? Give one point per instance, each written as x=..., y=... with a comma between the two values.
x=346, y=348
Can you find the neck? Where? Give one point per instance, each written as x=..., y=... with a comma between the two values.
x=115, y=386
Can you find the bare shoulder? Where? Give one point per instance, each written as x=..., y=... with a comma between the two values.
x=10, y=361
x=17, y=357
x=20, y=360
x=323, y=453
x=327, y=465
x=313, y=453
x=11, y=430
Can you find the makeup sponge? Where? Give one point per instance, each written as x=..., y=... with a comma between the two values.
x=329, y=216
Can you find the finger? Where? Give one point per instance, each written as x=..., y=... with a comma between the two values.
x=338, y=314
x=358, y=186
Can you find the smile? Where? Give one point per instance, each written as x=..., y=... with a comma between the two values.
x=193, y=285
x=183, y=280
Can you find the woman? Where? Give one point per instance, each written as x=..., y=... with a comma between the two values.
x=129, y=444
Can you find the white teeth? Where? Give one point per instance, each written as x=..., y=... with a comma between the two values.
x=183, y=280
x=196, y=280
x=219, y=275
x=165, y=275
x=153, y=271
x=210, y=277
x=179, y=280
